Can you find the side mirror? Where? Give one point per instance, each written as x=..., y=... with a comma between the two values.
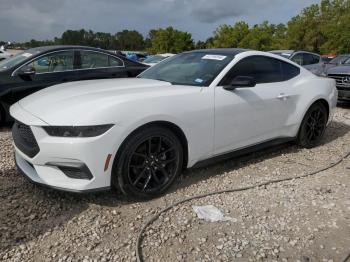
x=26, y=71
x=241, y=82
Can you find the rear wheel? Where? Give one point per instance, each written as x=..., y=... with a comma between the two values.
x=148, y=164
x=313, y=126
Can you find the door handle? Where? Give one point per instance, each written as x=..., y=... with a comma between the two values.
x=283, y=96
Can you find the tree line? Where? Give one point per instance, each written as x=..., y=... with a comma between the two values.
x=323, y=28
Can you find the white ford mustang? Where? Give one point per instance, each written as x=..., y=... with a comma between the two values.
x=138, y=134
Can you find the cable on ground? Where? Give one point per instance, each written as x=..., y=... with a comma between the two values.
x=156, y=216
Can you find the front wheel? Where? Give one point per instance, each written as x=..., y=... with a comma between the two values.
x=2, y=115
x=313, y=126
x=149, y=162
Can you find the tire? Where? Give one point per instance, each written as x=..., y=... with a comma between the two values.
x=148, y=163
x=2, y=115
x=313, y=126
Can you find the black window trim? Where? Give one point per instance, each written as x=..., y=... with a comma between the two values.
x=274, y=58
x=75, y=56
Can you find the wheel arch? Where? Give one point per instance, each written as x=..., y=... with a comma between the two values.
x=323, y=102
x=160, y=123
x=315, y=101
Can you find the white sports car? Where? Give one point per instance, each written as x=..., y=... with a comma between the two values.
x=138, y=134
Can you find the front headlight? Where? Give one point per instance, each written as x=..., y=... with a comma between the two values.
x=76, y=131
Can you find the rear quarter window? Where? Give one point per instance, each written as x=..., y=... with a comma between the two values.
x=289, y=71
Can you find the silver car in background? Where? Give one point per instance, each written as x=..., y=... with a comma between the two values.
x=341, y=74
x=337, y=61
x=310, y=61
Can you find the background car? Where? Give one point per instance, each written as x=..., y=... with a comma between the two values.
x=4, y=55
x=310, y=61
x=337, y=61
x=37, y=68
x=190, y=108
x=155, y=59
x=341, y=74
x=327, y=58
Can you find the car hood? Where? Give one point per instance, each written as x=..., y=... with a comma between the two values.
x=80, y=103
x=339, y=70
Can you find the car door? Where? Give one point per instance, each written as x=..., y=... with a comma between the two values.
x=247, y=116
x=46, y=70
x=98, y=65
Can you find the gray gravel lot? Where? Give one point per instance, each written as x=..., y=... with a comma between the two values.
x=304, y=219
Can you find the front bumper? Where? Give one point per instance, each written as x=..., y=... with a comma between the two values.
x=29, y=172
x=69, y=164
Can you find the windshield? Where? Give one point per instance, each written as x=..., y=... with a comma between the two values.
x=347, y=62
x=195, y=69
x=16, y=59
x=154, y=59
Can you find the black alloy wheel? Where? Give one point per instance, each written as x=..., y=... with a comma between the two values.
x=2, y=115
x=313, y=126
x=149, y=163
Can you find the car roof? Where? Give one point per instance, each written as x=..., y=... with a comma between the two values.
x=292, y=52
x=64, y=47
x=221, y=51
x=282, y=51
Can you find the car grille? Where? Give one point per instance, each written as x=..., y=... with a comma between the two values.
x=24, y=139
x=342, y=81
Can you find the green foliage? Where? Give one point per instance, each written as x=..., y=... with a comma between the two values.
x=323, y=27
x=88, y=38
x=229, y=36
x=169, y=40
x=129, y=40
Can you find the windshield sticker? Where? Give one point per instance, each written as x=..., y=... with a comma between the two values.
x=214, y=57
x=198, y=80
x=26, y=54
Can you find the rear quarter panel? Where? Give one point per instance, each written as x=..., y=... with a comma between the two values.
x=309, y=89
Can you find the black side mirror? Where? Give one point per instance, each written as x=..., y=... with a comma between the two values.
x=241, y=81
x=26, y=71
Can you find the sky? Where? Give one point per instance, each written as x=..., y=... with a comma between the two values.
x=22, y=20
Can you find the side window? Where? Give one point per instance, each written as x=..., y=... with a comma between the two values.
x=263, y=69
x=298, y=58
x=310, y=59
x=90, y=60
x=114, y=61
x=289, y=71
x=54, y=62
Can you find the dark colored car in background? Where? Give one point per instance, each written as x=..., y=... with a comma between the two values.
x=37, y=68
x=337, y=61
x=341, y=74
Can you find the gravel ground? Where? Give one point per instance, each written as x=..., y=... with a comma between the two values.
x=300, y=220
